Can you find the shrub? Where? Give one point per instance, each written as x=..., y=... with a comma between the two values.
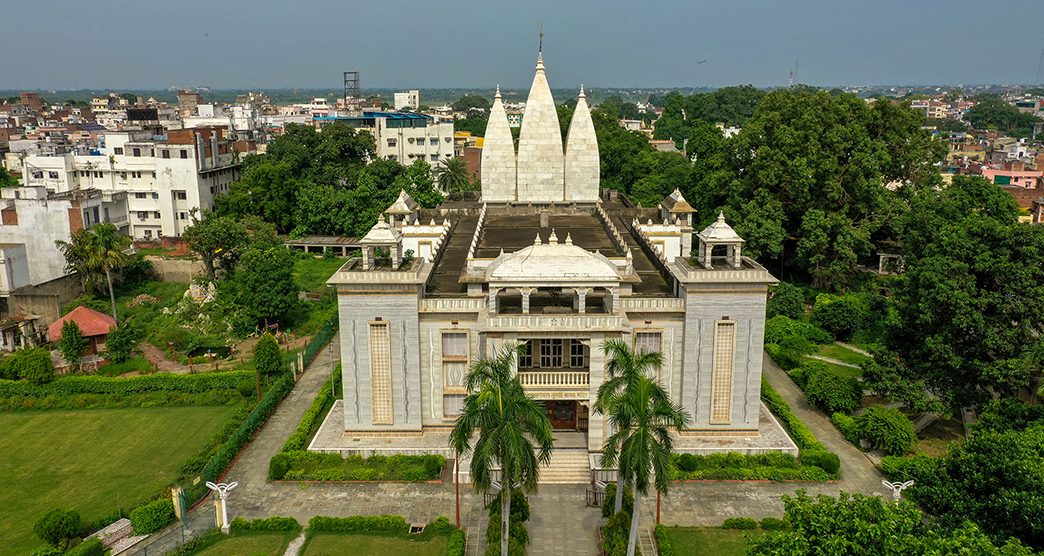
x=457, y=543
x=89, y=547
x=832, y=393
x=663, y=541
x=847, y=426
x=268, y=360
x=517, y=532
x=615, y=534
x=31, y=365
x=519, y=505
x=119, y=343
x=841, y=316
x=773, y=524
x=440, y=524
x=827, y=461
x=152, y=517
x=786, y=300
x=887, y=429
x=779, y=327
x=1009, y=414
x=609, y=502
x=739, y=523
x=358, y=524
x=799, y=433
x=71, y=343
x=58, y=527
x=905, y=468
x=687, y=462
x=278, y=466
x=47, y=550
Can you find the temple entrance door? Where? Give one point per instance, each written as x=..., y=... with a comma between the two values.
x=562, y=414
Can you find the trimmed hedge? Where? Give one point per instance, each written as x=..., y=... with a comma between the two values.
x=358, y=524
x=518, y=536
x=125, y=386
x=151, y=517
x=615, y=535
x=811, y=451
x=275, y=523
x=609, y=501
x=739, y=523
x=313, y=418
x=663, y=541
x=742, y=467
x=457, y=543
x=832, y=393
x=315, y=466
x=773, y=524
x=906, y=468
x=847, y=426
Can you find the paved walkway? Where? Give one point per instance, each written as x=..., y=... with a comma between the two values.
x=835, y=361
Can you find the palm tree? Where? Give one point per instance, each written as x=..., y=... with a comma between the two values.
x=623, y=369
x=101, y=249
x=642, y=446
x=514, y=432
x=453, y=175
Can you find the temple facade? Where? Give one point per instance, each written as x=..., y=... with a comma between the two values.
x=546, y=262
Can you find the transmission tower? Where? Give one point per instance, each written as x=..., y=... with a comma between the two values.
x=351, y=89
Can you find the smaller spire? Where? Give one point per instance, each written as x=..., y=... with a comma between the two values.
x=537, y=240
x=498, y=91
x=582, y=91
x=552, y=239
x=721, y=217
x=569, y=238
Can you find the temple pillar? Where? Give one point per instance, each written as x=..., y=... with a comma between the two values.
x=581, y=300
x=493, y=300
x=525, y=299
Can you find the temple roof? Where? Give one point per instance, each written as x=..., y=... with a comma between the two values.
x=720, y=232
x=381, y=234
x=404, y=204
x=676, y=203
x=552, y=262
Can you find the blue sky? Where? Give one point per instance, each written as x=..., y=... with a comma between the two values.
x=63, y=44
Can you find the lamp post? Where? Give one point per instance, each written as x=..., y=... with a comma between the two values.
x=222, y=489
x=897, y=488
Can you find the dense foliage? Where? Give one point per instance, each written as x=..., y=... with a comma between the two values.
x=58, y=527
x=152, y=517
x=71, y=344
x=992, y=112
x=857, y=524
x=967, y=327
x=319, y=182
x=32, y=365
x=812, y=452
x=786, y=300
x=316, y=466
x=119, y=343
x=886, y=428
x=742, y=467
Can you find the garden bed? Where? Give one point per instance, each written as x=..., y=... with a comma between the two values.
x=320, y=467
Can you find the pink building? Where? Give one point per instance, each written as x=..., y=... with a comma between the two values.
x=1028, y=179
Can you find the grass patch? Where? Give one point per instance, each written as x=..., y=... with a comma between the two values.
x=314, y=466
x=841, y=353
x=93, y=461
x=311, y=273
x=935, y=439
x=132, y=365
x=248, y=544
x=696, y=541
x=333, y=544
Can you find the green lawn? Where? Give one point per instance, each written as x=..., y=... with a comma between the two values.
x=698, y=541
x=250, y=544
x=312, y=273
x=835, y=351
x=328, y=544
x=92, y=461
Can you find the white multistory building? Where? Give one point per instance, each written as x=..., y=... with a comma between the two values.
x=405, y=137
x=164, y=177
x=407, y=100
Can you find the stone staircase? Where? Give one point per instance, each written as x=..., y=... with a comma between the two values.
x=567, y=466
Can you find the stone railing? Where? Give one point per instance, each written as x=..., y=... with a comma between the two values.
x=608, y=222
x=453, y=305
x=652, y=304
x=478, y=232
x=555, y=379
x=554, y=322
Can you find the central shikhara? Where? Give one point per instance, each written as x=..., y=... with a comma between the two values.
x=546, y=261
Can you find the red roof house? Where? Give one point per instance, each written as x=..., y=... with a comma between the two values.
x=93, y=325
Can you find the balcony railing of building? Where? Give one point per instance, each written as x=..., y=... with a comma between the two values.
x=555, y=379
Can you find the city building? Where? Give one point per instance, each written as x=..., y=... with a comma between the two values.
x=404, y=137
x=164, y=177
x=556, y=269
x=407, y=100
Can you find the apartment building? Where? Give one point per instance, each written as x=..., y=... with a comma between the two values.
x=165, y=177
x=404, y=137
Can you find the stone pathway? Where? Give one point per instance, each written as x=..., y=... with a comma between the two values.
x=850, y=347
x=295, y=545
x=837, y=362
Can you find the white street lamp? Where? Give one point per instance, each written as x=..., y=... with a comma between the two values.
x=222, y=490
x=897, y=488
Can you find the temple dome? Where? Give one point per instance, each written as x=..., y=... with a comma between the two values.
x=552, y=262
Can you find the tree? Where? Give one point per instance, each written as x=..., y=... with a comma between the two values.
x=263, y=285
x=100, y=249
x=453, y=176
x=33, y=365
x=786, y=300
x=268, y=360
x=471, y=103
x=968, y=302
x=858, y=524
x=476, y=125
x=513, y=431
x=58, y=527
x=993, y=112
x=623, y=368
x=217, y=240
x=71, y=343
x=642, y=445
x=120, y=342
x=7, y=179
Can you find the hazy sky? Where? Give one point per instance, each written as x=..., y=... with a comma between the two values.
x=70, y=44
